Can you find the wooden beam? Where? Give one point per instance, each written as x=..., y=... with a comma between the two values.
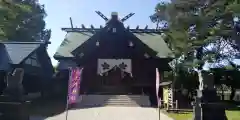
x=146, y=27
x=137, y=27
x=98, y=29
x=102, y=16
x=83, y=26
x=80, y=29
x=71, y=22
x=92, y=27
x=127, y=17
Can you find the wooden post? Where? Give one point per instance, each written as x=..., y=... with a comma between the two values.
x=167, y=106
x=176, y=107
x=159, y=113
x=159, y=108
x=71, y=22
x=160, y=102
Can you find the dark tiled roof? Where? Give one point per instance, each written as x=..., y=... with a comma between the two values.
x=32, y=55
x=17, y=51
x=65, y=64
x=71, y=42
x=4, y=58
x=156, y=43
x=75, y=39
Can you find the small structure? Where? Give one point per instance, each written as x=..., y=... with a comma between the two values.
x=32, y=57
x=116, y=59
x=25, y=67
x=167, y=95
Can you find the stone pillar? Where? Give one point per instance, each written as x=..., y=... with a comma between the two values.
x=14, y=86
x=208, y=105
x=12, y=103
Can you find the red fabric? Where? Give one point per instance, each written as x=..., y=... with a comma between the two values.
x=74, y=84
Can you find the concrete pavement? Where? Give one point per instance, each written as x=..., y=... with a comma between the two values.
x=110, y=113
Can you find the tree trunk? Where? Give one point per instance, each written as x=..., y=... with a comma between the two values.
x=157, y=27
x=200, y=79
x=222, y=92
x=233, y=91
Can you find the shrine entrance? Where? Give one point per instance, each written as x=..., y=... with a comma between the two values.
x=115, y=76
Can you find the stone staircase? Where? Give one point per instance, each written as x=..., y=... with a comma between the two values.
x=114, y=100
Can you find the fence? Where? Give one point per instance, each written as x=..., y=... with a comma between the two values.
x=162, y=104
x=224, y=95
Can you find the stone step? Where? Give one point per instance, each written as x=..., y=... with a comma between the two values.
x=130, y=100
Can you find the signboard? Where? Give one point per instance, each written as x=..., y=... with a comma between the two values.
x=74, y=84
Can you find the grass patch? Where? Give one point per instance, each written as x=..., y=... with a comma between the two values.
x=231, y=115
x=181, y=116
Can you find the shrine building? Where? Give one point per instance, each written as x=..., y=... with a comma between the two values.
x=33, y=58
x=115, y=58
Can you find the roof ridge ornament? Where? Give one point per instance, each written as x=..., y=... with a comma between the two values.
x=137, y=27
x=115, y=14
x=102, y=15
x=146, y=27
x=83, y=26
x=127, y=17
x=92, y=27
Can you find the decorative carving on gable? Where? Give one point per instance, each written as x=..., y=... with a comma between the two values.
x=146, y=55
x=81, y=55
x=114, y=30
x=131, y=44
x=97, y=43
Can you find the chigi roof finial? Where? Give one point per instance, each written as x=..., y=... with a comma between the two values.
x=127, y=17
x=102, y=16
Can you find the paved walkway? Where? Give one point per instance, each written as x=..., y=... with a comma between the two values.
x=110, y=113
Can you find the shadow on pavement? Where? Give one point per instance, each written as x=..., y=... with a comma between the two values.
x=47, y=107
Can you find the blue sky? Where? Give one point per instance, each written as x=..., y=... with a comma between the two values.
x=83, y=12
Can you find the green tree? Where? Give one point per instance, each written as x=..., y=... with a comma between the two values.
x=199, y=31
x=22, y=20
x=194, y=25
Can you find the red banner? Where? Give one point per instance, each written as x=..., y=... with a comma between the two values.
x=74, y=84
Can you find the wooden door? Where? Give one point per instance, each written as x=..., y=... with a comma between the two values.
x=113, y=78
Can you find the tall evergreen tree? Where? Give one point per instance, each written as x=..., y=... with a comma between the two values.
x=200, y=31
x=22, y=20
x=205, y=27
